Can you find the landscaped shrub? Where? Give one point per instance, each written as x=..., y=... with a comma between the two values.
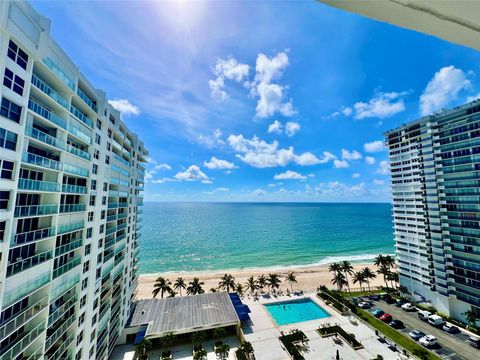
x=288, y=342
x=335, y=329
x=240, y=355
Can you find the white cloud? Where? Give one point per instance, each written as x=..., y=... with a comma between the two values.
x=381, y=105
x=347, y=111
x=370, y=160
x=224, y=69
x=355, y=175
x=217, y=190
x=443, y=88
x=353, y=155
x=272, y=185
x=213, y=140
x=162, y=167
x=259, y=192
x=374, y=146
x=340, y=164
x=215, y=163
x=161, y=181
x=261, y=154
x=337, y=189
x=289, y=175
x=472, y=98
x=383, y=168
x=125, y=107
x=378, y=182
x=275, y=127
x=326, y=157
x=291, y=128
x=193, y=173
x=268, y=69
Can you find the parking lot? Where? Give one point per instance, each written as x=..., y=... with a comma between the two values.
x=451, y=346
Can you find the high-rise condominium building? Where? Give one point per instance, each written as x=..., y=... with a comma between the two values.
x=435, y=169
x=71, y=179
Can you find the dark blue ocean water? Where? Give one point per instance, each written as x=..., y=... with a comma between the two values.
x=212, y=236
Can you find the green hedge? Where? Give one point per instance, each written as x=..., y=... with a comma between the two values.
x=288, y=342
x=240, y=355
x=335, y=329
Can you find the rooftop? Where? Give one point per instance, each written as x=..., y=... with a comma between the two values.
x=184, y=314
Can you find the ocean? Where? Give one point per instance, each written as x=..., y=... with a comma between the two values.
x=213, y=236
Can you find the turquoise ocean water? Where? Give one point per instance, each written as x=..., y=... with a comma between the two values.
x=213, y=236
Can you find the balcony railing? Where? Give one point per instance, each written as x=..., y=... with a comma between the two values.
x=68, y=208
x=27, y=263
x=78, y=114
x=47, y=114
x=66, y=228
x=66, y=267
x=79, y=132
x=68, y=247
x=59, y=332
x=75, y=189
x=35, y=185
x=76, y=151
x=41, y=161
x=44, y=137
x=76, y=170
x=111, y=230
x=20, y=344
x=59, y=312
x=16, y=294
x=59, y=73
x=30, y=236
x=35, y=210
x=49, y=91
x=63, y=345
x=86, y=99
x=121, y=160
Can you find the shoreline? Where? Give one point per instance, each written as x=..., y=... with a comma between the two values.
x=308, y=277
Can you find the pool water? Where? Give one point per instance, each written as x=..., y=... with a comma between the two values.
x=293, y=311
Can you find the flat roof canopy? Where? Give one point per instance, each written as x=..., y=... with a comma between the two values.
x=184, y=314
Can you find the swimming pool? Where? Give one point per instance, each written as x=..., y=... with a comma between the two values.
x=293, y=311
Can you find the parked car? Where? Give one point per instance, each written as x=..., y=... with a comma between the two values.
x=388, y=298
x=364, y=305
x=428, y=341
x=378, y=312
x=416, y=334
x=400, y=302
x=452, y=329
x=423, y=315
x=408, y=307
x=374, y=297
x=396, y=324
x=436, y=320
x=474, y=341
x=386, y=318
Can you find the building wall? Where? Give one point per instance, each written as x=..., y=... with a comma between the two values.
x=71, y=185
x=435, y=165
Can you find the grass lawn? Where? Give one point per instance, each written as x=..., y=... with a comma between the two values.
x=396, y=336
x=346, y=294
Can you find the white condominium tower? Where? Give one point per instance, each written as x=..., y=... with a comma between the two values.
x=435, y=169
x=71, y=181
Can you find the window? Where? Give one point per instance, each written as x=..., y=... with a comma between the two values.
x=100, y=243
x=2, y=230
x=79, y=355
x=88, y=248
x=98, y=274
x=10, y=110
x=91, y=352
x=99, y=124
x=90, y=216
x=17, y=55
x=94, y=320
x=80, y=338
x=104, y=200
x=86, y=266
x=105, y=186
x=83, y=301
x=84, y=283
x=97, y=139
x=102, y=215
x=107, y=159
x=13, y=82
x=6, y=169
x=89, y=234
x=95, y=169
x=95, y=304
x=93, y=184
x=92, y=336
x=81, y=319
x=99, y=259
x=96, y=154
x=109, y=146
x=102, y=228
x=4, y=197
x=92, y=200
x=8, y=139
x=112, y=119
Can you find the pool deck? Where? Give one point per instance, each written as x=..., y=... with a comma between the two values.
x=264, y=335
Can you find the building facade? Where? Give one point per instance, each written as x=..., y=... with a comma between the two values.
x=435, y=171
x=71, y=185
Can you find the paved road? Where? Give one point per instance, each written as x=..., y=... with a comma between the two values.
x=451, y=346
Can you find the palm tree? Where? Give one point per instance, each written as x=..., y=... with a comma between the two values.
x=179, y=285
x=359, y=278
x=403, y=290
x=167, y=340
x=389, y=261
x=273, y=281
x=334, y=268
x=198, y=337
x=261, y=281
x=393, y=277
x=213, y=290
x=339, y=280
x=380, y=260
x=200, y=354
x=171, y=293
x=385, y=271
x=471, y=317
x=143, y=347
x=251, y=284
x=222, y=351
x=239, y=289
x=227, y=283
x=291, y=278
x=195, y=287
x=347, y=269
x=247, y=347
x=369, y=275
x=161, y=286
x=218, y=333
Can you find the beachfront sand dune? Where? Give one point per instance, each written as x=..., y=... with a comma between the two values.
x=308, y=278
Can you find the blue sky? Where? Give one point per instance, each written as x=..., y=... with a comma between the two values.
x=268, y=101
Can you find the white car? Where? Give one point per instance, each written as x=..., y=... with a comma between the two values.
x=428, y=341
x=408, y=307
x=364, y=305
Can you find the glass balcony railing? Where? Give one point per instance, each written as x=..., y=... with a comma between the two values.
x=79, y=133
x=47, y=114
x=30, y=236
x=20, y=344
x=18, y=293
x=68, y=208
x=122, y=216
x=60, y=311
x=66, y=267
x=120, y=237
x=60, y=250
x=79, y=115
x=35, y=185
x=76, y=151
x=63, y=345
x=27, y=263
x=76, y=170
x=115, y=193
x=41, y=161
x=59, y=73
x=66, y=228
x=59, y=332
x=49, y=91
x=121, y=226
x=111, y=218
x=121, y=160
x=45, y=138
x=109, y=243
x=74, y=189
x=111, y=230
x=35, y=210
x=86, y=99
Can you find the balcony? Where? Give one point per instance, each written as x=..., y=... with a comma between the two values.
x=47, y=114
x=63, y=249
x=43, y=87
x=27, y=263
x=80, y=133
x=60, y=311
x=20, y=292
x=86, y=99
x=35, y=210
x=75, y=170
x=44, y=137
x=35, y=185
x=74, y=189
x=59, y=73
x=59, y=332
x=67, y=267
x=60, y=347
x=21, y=343
x=66, y=228
x=69, y=208
x=77, y=152
x=121, y=160
x=38, y=160
x=110, y=230
x=30, y=236
x=78, y=114
x=121, y=226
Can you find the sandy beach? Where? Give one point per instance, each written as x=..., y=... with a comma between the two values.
x=308, y=278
